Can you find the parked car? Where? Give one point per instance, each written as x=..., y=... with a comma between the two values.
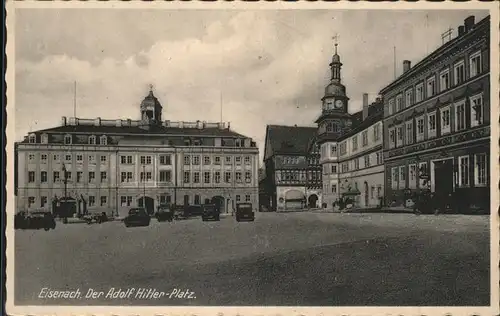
x=34, y=220
x=194, y=210
x=137, y=217
x=165, y=213
x=210, y=211
x=244, y=211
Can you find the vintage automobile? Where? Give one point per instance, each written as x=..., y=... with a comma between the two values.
x=34, y=220
x=210, y=211
x=244, y=211
x=137, y=217
x=165, y=213
x=194, y=210
x=96, y=218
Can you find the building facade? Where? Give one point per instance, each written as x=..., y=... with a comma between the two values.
x=112, y=165
x=437, y=122
x=360, y=166
x=291, y=170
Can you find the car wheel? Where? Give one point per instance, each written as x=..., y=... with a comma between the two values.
x=127, y=225
x=46, y=229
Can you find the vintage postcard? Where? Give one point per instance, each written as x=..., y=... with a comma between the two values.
x=191, y=158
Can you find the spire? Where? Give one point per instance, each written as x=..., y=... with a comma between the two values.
x=336, y=64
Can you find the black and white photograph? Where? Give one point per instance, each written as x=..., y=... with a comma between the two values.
x=310, y=159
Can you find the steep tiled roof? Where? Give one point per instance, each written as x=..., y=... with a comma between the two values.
x=289, y=139
x=154, y=130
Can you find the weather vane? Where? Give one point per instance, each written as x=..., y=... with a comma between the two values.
x=151, y=87
x=336, y=39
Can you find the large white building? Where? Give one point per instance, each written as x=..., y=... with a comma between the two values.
x=112, y=165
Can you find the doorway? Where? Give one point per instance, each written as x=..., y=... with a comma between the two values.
x=313, y=199
x=443, y=179
x=149, y=205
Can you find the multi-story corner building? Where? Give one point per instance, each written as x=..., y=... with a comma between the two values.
x=111, y=165
x=288, y=163
x=437, y=122
x=360, y=168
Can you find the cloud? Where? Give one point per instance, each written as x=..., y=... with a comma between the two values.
x=271, y=67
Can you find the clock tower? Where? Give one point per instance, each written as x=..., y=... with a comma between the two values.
x=334, y=119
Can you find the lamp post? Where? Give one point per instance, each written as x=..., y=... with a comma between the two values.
x=144, y=186
x=65, y=181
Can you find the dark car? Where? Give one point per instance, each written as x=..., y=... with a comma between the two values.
x=35, y=220
x=194, y=210
x=165, y=213
x=210, y=211
x=137, y=217
x=244, y=211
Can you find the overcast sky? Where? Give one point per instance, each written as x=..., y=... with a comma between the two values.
x=270, y=66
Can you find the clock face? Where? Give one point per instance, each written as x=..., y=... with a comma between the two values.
x=338, y=104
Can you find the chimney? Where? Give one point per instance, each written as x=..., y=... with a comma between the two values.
x=63, y=121
x=406, y=65
x=461, y=30
x=469, y=23
x=365, y=106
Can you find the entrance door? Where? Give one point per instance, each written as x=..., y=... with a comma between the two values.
x=149, y=205
x=443, y=179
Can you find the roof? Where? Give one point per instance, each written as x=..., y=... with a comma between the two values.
x=289, y=139
x=375, y=114
x=438, y=53
x=154, y=130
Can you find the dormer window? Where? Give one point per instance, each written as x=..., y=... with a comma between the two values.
x=45, y=139
x=68, y=140
x=92, y=140
x=32, y=138
x=103, y=140
x=238, y=142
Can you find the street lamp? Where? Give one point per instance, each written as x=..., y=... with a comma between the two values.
x=144, y=186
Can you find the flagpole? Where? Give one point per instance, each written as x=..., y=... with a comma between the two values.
x=74, y=100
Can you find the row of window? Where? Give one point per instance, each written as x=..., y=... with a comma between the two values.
x=191, y=177
x=448, y=78
x=56, y=177
x=188, y=160
x=478, y=163
x=406, y=134
x=297, y=175
x=354, y=141
x=68, y=139
x=67, y=158
x=167, y=198
x=91, y=201
x=103, y=140
x=376, y=191
x=291, y=160
x=355, y=163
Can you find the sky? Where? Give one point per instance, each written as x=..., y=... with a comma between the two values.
x=261, y=67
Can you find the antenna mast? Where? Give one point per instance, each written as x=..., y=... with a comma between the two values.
x=394, y=62
x=74, y=100
x=221, y=106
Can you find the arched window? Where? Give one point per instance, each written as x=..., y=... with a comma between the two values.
x=196, y=199
x=32, y=138
x=92, y=140
x=103, y=140
x=45, y=139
